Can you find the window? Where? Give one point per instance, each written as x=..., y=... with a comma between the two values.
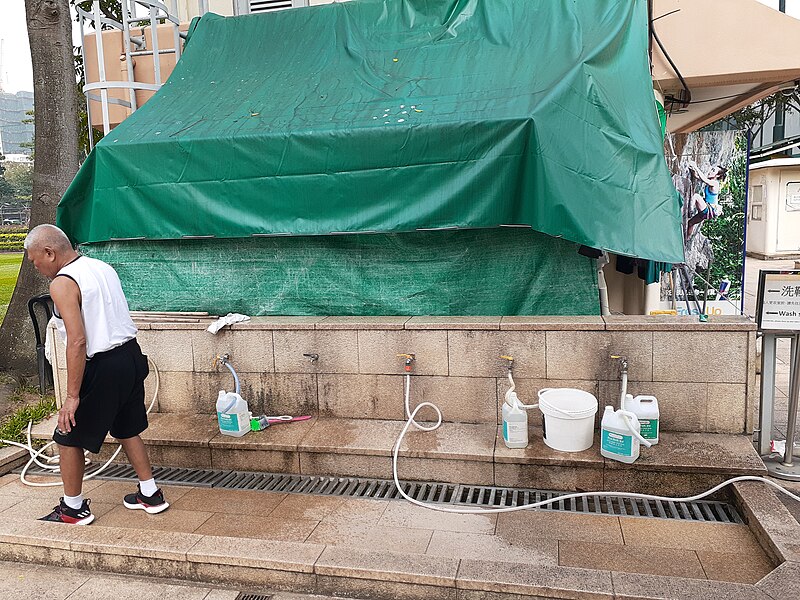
x=792, y=196
x=756, y=202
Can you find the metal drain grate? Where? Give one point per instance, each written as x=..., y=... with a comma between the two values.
x=170, y=475
x=243, y=596
x=431, y=492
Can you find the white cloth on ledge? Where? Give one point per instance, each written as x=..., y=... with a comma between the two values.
x=228, y=319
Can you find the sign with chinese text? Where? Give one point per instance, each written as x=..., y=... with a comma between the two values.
x=779, y=300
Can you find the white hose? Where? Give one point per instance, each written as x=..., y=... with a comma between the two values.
x=623, y=389
x=518, y=402
x=626, y=417
x=50, y=463
x=411, y=415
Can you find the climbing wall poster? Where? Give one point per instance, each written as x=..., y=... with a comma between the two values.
x=709, y=170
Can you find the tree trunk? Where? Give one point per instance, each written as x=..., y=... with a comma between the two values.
x=55, y=160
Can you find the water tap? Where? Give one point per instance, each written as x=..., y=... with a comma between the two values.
x=222, y=359
x=510, y=359
x=623, y=363
x=410, y=358
x=313, y=357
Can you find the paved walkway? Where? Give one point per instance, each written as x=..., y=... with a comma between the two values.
x=36, y=582
x=231, y=521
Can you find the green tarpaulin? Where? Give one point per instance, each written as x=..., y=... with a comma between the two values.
x=393, y=116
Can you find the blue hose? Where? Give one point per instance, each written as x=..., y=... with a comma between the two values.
x=235, y=376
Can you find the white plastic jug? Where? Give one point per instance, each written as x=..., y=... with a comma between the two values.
x=620, y=436
x=515, y=422
x=232, y=414
x=646, y=410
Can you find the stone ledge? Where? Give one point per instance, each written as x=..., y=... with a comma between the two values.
x=389, y=323
x=681, y=461
x=507, y=323
x=539, y=453
x=530, y=580
x=691, y=452
x=776, y=529
x=285, y=437
x=474, y=323
x=552, y=324
x=678, y=323
x=11, y=457
x=261, y=323
x=644, y=587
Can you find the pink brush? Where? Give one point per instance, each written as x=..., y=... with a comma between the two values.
x=286, y=419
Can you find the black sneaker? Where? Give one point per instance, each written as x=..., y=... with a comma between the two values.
x=64, y=514
x=151, y=504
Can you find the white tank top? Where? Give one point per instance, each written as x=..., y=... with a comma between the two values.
x=106, y=318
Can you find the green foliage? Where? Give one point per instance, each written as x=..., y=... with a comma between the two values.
x=13, y=229
x=9, y=271
x=726, y=232
x=29, y=145
x=20, y=176
x=7, y=192
x=753, y=117
x=11, y=242
x=14, y=427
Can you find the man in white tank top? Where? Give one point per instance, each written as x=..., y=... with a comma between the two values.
x=105, y=371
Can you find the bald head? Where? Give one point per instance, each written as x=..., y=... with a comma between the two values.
x=49, y=249
x=47, y=236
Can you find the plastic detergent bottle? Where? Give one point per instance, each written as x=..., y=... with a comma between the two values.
x=620, y=435
x=515, y=422
x=232, y=414
x=646, y=410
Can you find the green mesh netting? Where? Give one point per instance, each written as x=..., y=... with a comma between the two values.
x=466, y=272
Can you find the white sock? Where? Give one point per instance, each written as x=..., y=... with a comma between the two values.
x=74, y=501
x=148, y=488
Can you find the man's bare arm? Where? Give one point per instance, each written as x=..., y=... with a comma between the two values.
x=67, y=297
x=710, y=182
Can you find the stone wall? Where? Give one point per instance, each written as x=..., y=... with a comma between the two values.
x=703, y=374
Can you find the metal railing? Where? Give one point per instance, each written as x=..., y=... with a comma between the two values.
x=143, y=15
x=135, y=13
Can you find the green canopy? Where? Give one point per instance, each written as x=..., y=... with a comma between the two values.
x=393, y=116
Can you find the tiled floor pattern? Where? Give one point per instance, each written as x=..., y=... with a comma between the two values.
x=633, y=545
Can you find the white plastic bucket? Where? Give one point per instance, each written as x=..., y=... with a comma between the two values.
x=568, y=418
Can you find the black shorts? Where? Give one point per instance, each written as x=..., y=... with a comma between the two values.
x=112, y=398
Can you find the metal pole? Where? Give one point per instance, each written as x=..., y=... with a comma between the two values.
x=82, y=22
x=101, y=63
x=154, y=39
x=794, y=399
x=126, y=36
x=768, y=345
x=785, y=467
x=176, y=34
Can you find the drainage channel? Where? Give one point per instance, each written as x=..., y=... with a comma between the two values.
x=436, y=493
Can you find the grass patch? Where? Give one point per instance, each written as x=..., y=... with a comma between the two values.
x=9, y=271
x=15, y=426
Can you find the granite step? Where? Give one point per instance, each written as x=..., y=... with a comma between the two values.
x=681, y=464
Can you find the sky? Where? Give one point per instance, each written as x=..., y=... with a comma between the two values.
x=16, y=73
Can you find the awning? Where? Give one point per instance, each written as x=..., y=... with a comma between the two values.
x=396, y=115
